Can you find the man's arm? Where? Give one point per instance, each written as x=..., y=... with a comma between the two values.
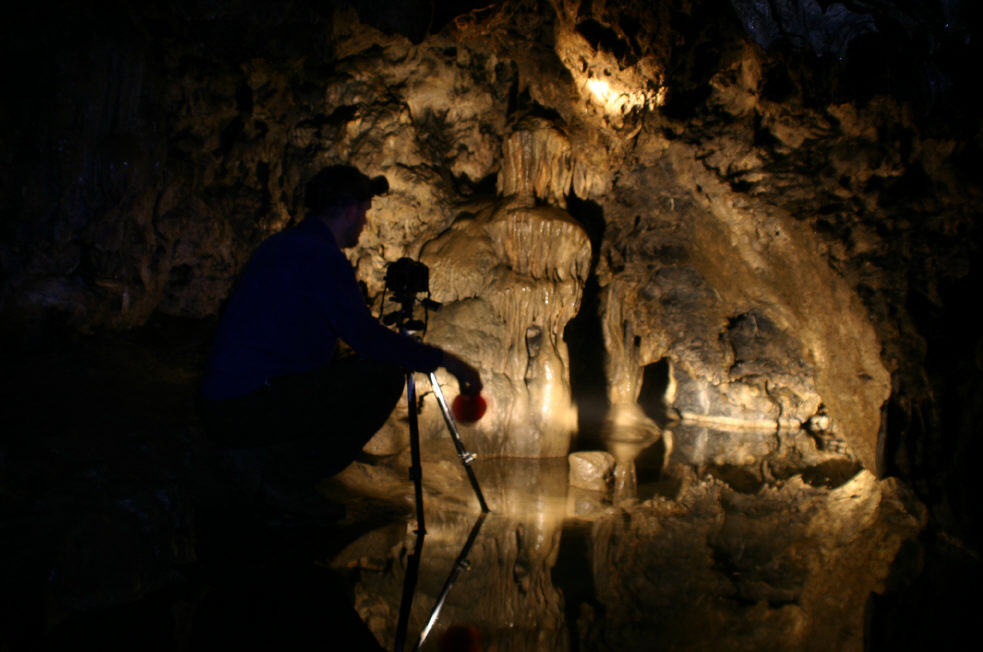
x=354, y=324
x=468, y=378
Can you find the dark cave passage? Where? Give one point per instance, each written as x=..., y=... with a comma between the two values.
x=584, y=336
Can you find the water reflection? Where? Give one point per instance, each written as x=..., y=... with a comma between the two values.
x=705, y=565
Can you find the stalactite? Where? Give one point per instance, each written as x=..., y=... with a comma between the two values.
x=536, y=162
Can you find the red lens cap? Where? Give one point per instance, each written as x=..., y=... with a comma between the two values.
x=467, y=408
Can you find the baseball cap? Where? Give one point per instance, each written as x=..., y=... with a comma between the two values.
x=338, y=184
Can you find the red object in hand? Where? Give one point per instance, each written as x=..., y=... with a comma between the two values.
x=467, y=408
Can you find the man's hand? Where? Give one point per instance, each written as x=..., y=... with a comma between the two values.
x=468, y=378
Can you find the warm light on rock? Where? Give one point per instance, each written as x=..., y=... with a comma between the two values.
x=512, y=277
x=593, y=470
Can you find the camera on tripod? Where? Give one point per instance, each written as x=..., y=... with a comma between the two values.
x=405, y=279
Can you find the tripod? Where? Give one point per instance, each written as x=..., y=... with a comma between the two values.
x=416, y=470
x=406, y=278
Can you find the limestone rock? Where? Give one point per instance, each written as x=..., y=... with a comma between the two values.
x=738, y=328
x=536, y=162
x=591, y=470
x=511, y=277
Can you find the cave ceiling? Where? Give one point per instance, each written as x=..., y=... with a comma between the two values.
x=753, y=189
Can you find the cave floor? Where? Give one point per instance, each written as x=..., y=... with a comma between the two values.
x=108, y=537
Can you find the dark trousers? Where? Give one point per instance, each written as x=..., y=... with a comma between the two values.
x=308, y=426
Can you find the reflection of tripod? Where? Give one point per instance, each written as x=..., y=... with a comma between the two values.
x=406, y=278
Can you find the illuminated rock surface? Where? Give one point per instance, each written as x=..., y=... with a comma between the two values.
x=510, y=277
x=591, y=470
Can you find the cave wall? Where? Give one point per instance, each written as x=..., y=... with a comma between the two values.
x=771, y=208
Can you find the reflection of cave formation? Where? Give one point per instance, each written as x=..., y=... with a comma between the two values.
x=722, y=251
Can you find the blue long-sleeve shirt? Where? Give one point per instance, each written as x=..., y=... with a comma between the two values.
x=296, y=297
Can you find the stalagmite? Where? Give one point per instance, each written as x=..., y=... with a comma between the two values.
x=511, y=277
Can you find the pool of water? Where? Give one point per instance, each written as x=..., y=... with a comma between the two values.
x=687, y=550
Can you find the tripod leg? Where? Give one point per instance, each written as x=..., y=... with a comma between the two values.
x=416, y=474
x=462, y=452
x=461, y=563
x=416, y=468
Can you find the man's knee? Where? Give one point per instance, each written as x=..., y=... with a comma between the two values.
x=392, y=379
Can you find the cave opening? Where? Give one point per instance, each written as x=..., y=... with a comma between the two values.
x=652, y=395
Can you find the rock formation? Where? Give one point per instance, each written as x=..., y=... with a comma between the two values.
x=511, y=278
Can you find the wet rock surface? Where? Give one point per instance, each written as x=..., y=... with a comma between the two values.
x=591, y=470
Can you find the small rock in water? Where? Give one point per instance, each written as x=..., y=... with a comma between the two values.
x=592, y=470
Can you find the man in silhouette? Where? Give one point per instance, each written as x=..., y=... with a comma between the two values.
x=274, y=384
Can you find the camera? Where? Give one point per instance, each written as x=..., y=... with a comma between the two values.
x=407, y=278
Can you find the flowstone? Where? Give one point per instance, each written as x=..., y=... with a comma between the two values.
x=758, y=330
x=511, y=277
